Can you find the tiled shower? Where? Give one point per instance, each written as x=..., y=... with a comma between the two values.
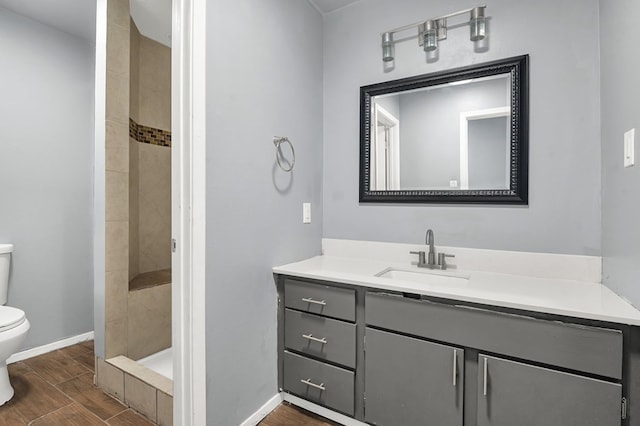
x=149, y=304
x=138, y=215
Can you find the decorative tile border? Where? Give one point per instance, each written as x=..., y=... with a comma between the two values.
x=149, y=135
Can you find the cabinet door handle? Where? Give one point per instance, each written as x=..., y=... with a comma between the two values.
x=317, y=302
x=455, y=367
x=308, y=382
x=315, y=339
x=484, y=385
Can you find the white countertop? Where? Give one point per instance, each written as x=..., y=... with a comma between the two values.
x=548, y=295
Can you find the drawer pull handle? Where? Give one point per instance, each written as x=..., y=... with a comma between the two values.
x=315, y=339
x=308, y=382
x=455, y=367
x=484, y=385
x=317, y=302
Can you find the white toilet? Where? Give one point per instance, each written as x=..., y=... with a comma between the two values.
x=13, y=325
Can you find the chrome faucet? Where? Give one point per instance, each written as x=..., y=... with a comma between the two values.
x=429, y=240
x=428, y=260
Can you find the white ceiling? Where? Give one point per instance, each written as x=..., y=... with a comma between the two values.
x=326, y=6
x=153, y=19
x=77, y=17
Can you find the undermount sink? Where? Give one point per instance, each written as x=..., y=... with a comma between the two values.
x=432, y=277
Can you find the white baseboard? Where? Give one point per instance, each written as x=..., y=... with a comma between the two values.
x=50, y=347
x=321, y=411
x=268, y=407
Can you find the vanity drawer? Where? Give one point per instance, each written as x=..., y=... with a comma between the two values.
x=581, y=348
x=326, y=338
x=318, y=382
x=320, y=299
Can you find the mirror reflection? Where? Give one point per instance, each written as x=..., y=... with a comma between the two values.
x=451, y=136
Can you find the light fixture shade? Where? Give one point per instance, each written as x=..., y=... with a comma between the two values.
x=477, y=24
x=388, y=50
x=430, y=35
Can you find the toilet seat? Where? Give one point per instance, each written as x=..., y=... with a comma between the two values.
x=10, y=318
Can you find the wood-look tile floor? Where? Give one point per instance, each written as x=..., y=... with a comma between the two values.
x=290, y=415
x=56, y=389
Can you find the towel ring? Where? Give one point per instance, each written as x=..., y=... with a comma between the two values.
x=277, y=141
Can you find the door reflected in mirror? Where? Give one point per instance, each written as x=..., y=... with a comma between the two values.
x=457, y=136
x=453, y=136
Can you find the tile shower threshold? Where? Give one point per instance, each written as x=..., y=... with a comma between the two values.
x=144, y=390
x=139, y=371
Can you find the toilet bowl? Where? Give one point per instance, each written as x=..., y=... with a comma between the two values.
x=13, y=330
x=13, y=325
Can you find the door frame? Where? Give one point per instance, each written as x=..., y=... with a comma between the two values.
x=188, y=211
x=465, y=117
x=392, y=159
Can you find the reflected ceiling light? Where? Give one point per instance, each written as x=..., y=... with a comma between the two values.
x=460, y=82
x=432, y=30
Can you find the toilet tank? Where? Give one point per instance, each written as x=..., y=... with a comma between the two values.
x=5, y=262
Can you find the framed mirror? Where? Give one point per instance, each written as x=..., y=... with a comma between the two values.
x=457, y=136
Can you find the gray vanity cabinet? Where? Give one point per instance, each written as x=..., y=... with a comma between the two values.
x=511, y=393
x=319, y=382
x=318, y=352
x=411, y=382
x=328, y=301
x=393, y=359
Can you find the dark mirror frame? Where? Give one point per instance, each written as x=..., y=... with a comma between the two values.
x=517, y=193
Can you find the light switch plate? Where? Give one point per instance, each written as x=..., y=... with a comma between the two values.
x=306, y=212
x=629, y=148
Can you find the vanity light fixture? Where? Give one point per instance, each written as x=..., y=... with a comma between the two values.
x=477, y=24
x=433, y=30
x=387, y=47
x=429, y=35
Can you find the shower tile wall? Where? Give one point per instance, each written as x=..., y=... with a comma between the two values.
x=149, y=309
x=155, y=85
x=117, y=177
x=155, y=207
x=149, y=321
x=138, y=190
x=151, y=158
x=134, y=211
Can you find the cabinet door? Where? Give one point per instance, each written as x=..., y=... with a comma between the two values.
x=412, y=382
x=511, y=393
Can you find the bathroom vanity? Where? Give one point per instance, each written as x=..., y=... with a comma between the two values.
x=449, y=348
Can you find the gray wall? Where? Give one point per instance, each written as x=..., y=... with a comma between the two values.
x=620, y=92
x=563, y=215
x=488, y=154
x=391, y=103
x=46, y=133
x=264, y=79
x=430, y=130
